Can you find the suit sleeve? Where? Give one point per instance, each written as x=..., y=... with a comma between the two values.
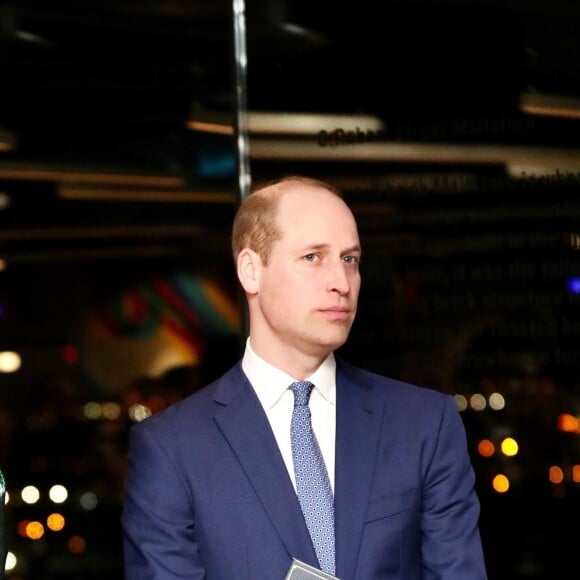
x=451, y=545
x=158, y=518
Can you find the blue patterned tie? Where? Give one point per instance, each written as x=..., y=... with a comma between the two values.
x=312, y=483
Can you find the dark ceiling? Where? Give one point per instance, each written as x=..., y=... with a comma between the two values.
x=117, y=80
x=96, y=96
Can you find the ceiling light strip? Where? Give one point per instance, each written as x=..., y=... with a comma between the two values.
x=40, y=172
x=79, y=192
x=401, y=152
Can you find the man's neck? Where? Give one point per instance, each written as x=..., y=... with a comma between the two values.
x=293, y=361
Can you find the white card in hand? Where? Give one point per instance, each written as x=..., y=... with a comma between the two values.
x=301, y=571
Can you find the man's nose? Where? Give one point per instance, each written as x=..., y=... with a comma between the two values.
x=339, y=279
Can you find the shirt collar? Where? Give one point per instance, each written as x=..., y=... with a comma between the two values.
x=270, y=383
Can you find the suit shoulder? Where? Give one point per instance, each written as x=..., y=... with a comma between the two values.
x=195, y=408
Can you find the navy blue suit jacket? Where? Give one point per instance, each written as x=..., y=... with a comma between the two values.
x=207, y=494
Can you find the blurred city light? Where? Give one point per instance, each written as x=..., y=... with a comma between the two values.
x=568, y=423
x=92, y=410
x=478, y=402
x=111, y=410
x=58, y=493
x=556, y=474
x=34, y=530
x=9, y=361
x=88, y=500
x=486, y=448
x=509, y=447
x=11, y=562
x=496, y=401
x=55, y=522
x=501, y=483
x=139, y=412
x=76, y=544
x=461, y=402
x=30, y=494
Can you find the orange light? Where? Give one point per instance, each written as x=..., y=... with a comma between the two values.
x=567, y=423
x=21, y=528
x=500, y=483
x=576, y=473
x=34, y=530
x=556, y=475
x=76, y=544
x=486, y=448
x=55, y=522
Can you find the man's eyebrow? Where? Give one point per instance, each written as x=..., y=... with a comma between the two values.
x=321, y=246
x=355, y=248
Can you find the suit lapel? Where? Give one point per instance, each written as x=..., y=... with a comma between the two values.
x=358, y=423
x=243, y=422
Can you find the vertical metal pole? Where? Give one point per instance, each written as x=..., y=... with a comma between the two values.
x=241, y=127
x=3, y=531
x=241, y=113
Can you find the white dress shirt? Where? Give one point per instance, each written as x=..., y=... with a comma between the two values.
x=273, y=389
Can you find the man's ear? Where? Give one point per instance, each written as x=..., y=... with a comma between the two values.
x=249, y=266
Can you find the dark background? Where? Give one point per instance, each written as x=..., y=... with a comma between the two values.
x=117, y=288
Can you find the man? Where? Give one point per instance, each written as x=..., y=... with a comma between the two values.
x=210, y=489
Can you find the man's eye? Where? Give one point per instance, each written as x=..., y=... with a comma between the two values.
x=310, y=257
x=350, y=259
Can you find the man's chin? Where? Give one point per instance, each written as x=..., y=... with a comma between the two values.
x=332, y=341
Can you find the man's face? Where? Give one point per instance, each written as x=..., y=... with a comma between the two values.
x=309, y=290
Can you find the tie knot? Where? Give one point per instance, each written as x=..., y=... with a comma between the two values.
x=302, y=390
